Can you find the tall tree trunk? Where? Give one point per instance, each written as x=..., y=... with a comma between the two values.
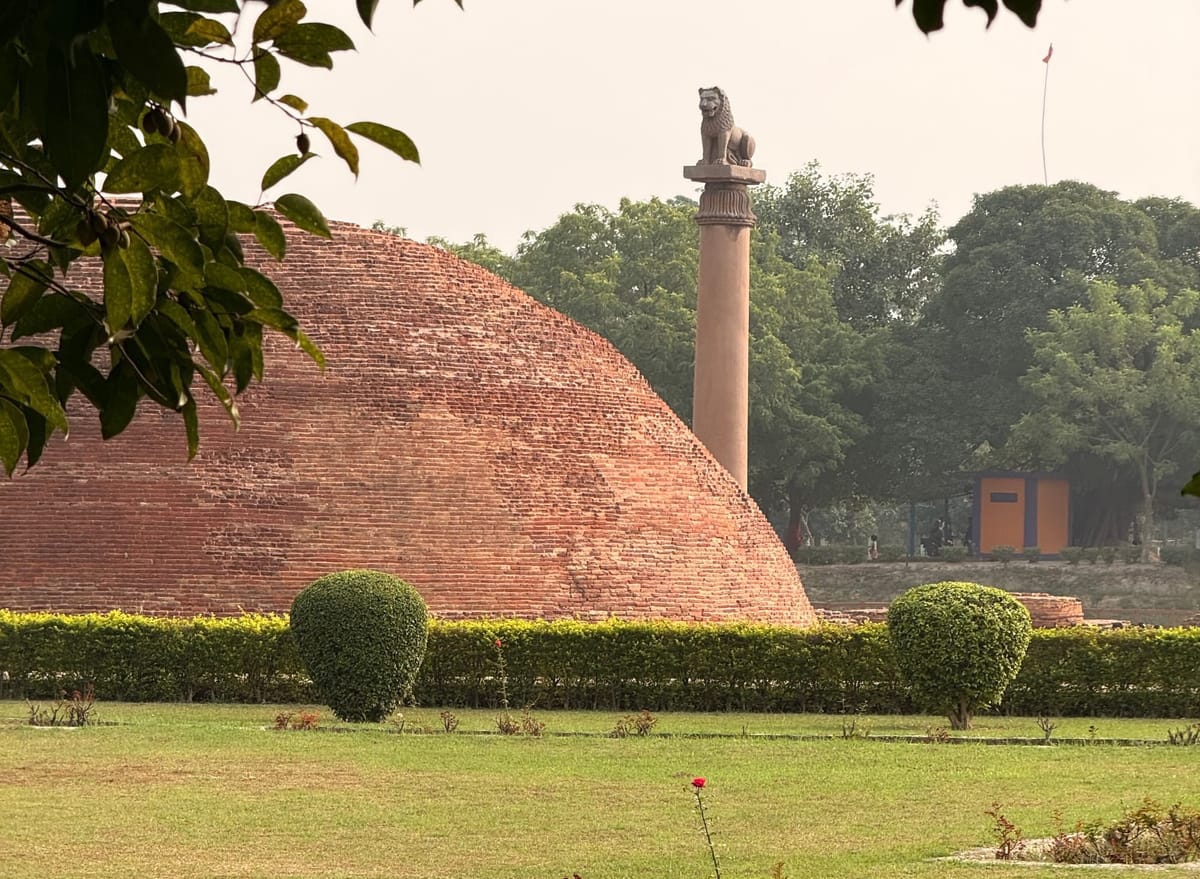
x=797, y=534
x=1146, y=518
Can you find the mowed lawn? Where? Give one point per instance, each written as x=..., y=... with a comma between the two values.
x=211, y=791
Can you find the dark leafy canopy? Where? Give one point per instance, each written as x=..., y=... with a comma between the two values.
x=928, y=14
x=90, y=98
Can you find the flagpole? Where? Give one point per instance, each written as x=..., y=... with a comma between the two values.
x=1045, y=89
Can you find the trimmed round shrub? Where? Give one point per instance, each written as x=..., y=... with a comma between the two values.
x=958, y=645
x=361, y=635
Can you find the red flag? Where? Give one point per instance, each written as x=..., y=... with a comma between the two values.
x=1049, y=52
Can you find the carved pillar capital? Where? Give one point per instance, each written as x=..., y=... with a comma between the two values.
x=726, y=197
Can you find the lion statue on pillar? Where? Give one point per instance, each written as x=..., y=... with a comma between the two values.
x=724, y=143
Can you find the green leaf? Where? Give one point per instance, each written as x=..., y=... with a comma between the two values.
x=303, y=213
x=1193, y=486
x=212, y=216
x=175, y=243
x=121, y=394
x=311, y=43
x=241, y=216
x=76, y=124
x=194, y=164
x=396, y=141
x=29, y=381
x=143, y=276
x=118, y=291
x=278, y=19
x=146, y=50
x=222, y=393
x=51, y=313
x=282, y=167
x=298, y=104
x=275, y=318
x=39, y=433
x=342, y=145
x=366, y=10
x=219, y=275
x=270, y=234
x=217, y=6
x=266, y=73
x=24, y=291
x=199, y=82
x=152, y=168
x=14, y=435
x=211, y=339
x=206, y=31
x=261, y=289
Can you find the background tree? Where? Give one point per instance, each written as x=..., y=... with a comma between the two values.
x=886, y=267
x=90, y=94
x=1117, y=377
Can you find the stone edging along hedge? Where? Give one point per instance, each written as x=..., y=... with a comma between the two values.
x=613, y=665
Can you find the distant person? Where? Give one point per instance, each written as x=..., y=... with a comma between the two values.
x=873, y=548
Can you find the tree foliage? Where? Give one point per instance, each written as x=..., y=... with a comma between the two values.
x=929, y=14
x=1116, y=377
x=99, y=164
x=958, y=645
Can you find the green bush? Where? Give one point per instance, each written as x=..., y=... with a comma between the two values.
x=1091, y=555
x=1032, y=553
x=362, y=636
x=954, y=553
x=1178, y=555
x=1071, y=554
x=1108, y=554
x=1131, y=554
x=959, y=645
x=830, y=554
x=1003, y=554
x=893, y=553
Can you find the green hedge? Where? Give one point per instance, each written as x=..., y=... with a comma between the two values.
x=134, y=658
x=611, y=666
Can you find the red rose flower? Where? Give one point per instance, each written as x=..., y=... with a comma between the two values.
x=498, y=644
x=697, y=782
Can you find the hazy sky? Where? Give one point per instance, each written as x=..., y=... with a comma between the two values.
x=522, y=108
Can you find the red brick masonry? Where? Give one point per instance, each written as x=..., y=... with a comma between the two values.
x=500, y=457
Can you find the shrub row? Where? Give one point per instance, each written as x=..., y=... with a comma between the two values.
x=660, y=666
x=841, y=554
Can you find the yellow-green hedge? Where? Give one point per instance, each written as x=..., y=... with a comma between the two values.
x=610, y=665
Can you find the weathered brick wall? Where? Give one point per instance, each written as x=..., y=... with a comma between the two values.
x=502, y=458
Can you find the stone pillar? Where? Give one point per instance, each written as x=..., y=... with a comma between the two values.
x=721, y=389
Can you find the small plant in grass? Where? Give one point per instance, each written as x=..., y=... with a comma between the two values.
x=1187, y=735
x=71, y=709
x=530, y=725
x=644, y=723
x=1010, y=840
x=1071, y=554
x=362, y=636
x=507, y=724
x=1003, y=554
x=852, y=728
x=1092, y=734
x=937, y=735
x=1047, y=726
x=698, y=785
x=958, y=645
x=305, y=720
x=449, y=721
x=1032, y=554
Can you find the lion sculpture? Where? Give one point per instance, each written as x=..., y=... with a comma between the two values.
x=724, y=143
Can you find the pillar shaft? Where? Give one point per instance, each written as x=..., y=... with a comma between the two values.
x=720, y=395
x=721, y=389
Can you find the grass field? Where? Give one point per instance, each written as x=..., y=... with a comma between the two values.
x=211, y=791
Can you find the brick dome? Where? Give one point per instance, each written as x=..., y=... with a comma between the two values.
x=500, y=457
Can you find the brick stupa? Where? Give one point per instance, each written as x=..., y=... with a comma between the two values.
x=500, y=457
